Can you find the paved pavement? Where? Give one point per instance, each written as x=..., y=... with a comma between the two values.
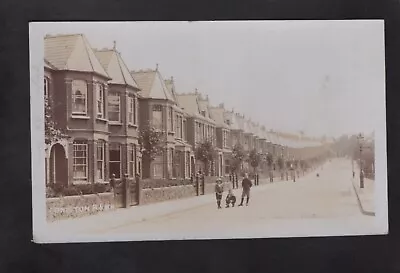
x=365, y=196
x=312, y=206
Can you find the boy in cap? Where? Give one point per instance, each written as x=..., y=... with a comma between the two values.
x=219, y=189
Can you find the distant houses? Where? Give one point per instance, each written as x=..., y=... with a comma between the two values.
x=101, y=106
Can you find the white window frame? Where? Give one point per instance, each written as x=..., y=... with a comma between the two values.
x=84, y=95
x=111, y=148
x=100, y=101
x=171, y=122
x=46, y=85
x=184, y=124
x=116, y=95
x=100, y=145
x=158, y=165
x=131, y=160
x=131, y=110
x=85, y=149
x=178, y=125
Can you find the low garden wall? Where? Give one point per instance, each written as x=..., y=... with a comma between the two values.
x=152, y=191
x=79, y=205
x=153, y=195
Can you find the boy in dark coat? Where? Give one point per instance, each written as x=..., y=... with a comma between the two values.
x=219, y=189
x=230, y=199
x=246, y=185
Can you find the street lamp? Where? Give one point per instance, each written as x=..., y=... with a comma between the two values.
x=360, y=138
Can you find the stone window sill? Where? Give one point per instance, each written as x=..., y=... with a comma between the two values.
x=115, y=123
x=79, y=117
x=102, y=119
x=132, y=125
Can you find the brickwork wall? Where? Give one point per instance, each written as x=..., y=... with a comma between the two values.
x=78, y=206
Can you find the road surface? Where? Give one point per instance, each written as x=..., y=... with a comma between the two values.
x=312, y=206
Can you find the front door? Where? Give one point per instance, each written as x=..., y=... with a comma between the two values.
x=58, y=165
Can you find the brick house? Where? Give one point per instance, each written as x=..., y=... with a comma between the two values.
x=122, y=117
x=73, y=79
x=223, y=136
x=236, y=126
x=184, y=154
x=159, y=108
x=200, y=126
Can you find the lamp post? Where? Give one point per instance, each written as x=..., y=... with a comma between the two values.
x=360, y=139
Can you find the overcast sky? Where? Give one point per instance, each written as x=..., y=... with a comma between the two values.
x=322, y=77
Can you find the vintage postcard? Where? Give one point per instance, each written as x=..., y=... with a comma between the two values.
x=207, y=130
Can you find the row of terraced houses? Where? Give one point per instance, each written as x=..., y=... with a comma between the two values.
x=101, y=105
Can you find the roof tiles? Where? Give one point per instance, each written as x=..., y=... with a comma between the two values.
x=115, y=67
x=72, y=52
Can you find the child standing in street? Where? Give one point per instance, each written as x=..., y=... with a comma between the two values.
x=219, y=189
x=230, y=199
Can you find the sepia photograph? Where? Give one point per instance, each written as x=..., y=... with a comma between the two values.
x=207, y=130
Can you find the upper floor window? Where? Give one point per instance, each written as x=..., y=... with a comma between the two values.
x=178, y=126
x=224, y=138
x=131, y=110
x=198, y=132
x=100, y=100
x=114, y=109
x=157, y=116
x=203, y=113
x=79, y=97
x=170, y=119
x=46, y=87
x=184, y=129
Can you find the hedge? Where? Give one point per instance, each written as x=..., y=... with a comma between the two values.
x=57, y=190
x=163, y=183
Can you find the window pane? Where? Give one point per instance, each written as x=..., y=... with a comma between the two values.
x=79, y=92
x=115, y=168
x=114, y=155
x=157, y=119
x=114, y=107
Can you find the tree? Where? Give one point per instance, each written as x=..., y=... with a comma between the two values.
x=151, y=143
x=288, y=164
x=238, y=155
x=206, y=153
x=52, y=133
x=280, y=163
x=254, y=159
x=270, y=160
